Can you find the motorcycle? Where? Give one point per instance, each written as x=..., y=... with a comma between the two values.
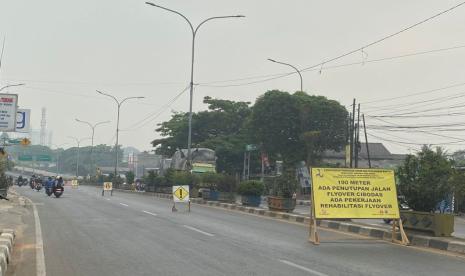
x=48, y=191
x=38, y=186
x=58, y=191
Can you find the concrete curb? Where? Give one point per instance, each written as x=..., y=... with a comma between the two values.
x=7, y=237
x=451, y=245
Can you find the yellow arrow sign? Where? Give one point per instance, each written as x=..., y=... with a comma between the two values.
x=25, y=142
x=181, y=193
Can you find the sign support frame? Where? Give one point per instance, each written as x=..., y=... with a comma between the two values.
x=313, y=229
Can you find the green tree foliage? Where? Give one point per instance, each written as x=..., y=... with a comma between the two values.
x=457, y=180
x=130, y=177
x=102, y=155
x=299, y=126
x=251, y=188
x=220, y=128
x=424, y=179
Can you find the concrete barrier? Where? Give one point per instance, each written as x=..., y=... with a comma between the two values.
x=7, y=238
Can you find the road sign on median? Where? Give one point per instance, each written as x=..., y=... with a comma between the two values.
x=181, y=193
x=107, y=186
x=354, y=193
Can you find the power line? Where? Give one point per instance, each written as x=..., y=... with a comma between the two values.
x=152, y=116
x=418, y=116
x=426, y=132
x=360, y=49
x=260, y=77
x=416, y=93
x=398, y=107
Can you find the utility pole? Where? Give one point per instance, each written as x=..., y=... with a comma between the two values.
x=357, y=137
x=194, y=33
x=92, y=126
x=366, y=141
x=352, y=133
x=293, y=67
x=118, y=103
x=78, y=142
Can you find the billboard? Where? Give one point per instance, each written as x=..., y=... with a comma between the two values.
x=354, y=193
x=8, y=108
x=23, y=120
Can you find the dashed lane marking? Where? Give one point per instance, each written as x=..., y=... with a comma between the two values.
x=198, y=230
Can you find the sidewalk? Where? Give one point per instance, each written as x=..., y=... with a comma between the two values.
x=16, y=217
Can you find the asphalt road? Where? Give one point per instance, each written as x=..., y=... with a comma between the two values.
x=130, y=234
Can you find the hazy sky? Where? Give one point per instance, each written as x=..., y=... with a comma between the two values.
x=64, y=50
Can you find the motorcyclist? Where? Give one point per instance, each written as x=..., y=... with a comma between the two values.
x=59, y=181
x=49, y=183
x=20, y=180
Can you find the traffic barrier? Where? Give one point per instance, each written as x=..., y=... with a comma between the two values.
x=7, y=237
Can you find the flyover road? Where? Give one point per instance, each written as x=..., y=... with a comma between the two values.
x=128, y=234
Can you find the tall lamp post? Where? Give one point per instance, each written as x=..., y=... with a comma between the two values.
x=78, y=142
x=57, y=156
x=92, y=126
x=119, y=103
x=11, y=85
x=194, y=33
x=293, y=67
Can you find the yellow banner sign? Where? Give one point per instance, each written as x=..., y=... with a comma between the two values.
x=354, y=193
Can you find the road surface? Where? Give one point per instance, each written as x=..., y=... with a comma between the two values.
x=129, y=234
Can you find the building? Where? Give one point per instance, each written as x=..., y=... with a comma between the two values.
x=379, y=155
x=144, y=162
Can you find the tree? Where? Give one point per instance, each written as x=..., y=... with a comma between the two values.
x=130, y=177
x=220, y=128
x=457, y=180
x=276, y=125
x=323, y=124
x=298, y=126
x=424, y=179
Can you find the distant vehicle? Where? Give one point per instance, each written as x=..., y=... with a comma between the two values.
x=203, y=160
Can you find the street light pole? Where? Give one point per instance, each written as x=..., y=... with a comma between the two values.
x=11, y=85
x=293, y=67
x=57, y=156
x=78, y=141
x=191, y=94
x=119, y=103
x=92, y=126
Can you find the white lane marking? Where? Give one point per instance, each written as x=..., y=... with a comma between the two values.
x=107, y=198
x=311, y=271
x=40, y=257
x=198, y=230
x=147, y=212
x=123, y=204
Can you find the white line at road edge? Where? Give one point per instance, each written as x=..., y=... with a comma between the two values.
x=107, y=198
x=147, y=212
x=314, y=272
x=40, y=258
x=123, y=204
x=198, y=230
